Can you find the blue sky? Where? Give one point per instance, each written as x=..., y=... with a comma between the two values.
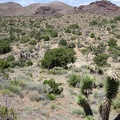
x=70, y=2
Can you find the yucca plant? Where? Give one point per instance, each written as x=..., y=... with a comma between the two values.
x=111, y=89
x=87, y=84
x=82, y=101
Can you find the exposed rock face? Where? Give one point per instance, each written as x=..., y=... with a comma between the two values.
x=58, y=8
x=45, y=10
x=100, y=7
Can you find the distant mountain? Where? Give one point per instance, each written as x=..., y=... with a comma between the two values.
x=100, y=7
x=58, y=8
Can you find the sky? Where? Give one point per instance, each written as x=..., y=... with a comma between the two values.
x=70, y=2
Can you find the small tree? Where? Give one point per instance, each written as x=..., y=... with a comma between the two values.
x=58, y=57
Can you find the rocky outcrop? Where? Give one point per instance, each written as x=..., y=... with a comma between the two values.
x=100, y=7
x=46, y=10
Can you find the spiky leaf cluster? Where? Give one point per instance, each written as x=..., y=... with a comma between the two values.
x=112, y=84
x=81, y=99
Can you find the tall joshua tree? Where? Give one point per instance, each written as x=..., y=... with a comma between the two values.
x=111, y=89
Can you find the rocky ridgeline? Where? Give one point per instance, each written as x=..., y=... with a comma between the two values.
x=100, y=7
x=58, y=8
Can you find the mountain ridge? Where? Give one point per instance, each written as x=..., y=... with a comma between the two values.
x=58, y=8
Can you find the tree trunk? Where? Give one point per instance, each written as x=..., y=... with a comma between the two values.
x=87, y=109
x=105, y=109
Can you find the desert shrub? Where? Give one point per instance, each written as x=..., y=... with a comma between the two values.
x=7, y=113
x=99, y=49
x=92, y=35
x=52, y=106
x=73, y=80
x=108, y=28
x=114, y=53
x=32, y=86
x=34, y=95
x=13, y=88
x=67, y=31
x=32, y=42
x=25, y=39
x=57, y=71
x=93, y=23
x=101, y=59
x=51, y=96
x=71, y=45
x=89, y=118
x=73, y=26
x=54, y=34
x=78, y=111
x=118, y=36
x=29, y=63
x=117, y=18
x=4, y=46
x=46, y=38
x=3, y=64
x=58, y=57
x=62, y=42
x=112, y=42
x=5, y=92
x=10, y=58
x=54, y=87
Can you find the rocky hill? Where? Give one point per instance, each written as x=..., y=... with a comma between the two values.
x=100, y=7
x=58, y=8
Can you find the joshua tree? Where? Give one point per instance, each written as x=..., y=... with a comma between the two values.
x=111, y=89
x=82, y=101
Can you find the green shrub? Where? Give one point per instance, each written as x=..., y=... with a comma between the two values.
x=54, y=87
x=5, y=92
x=117, y=18
x=58, y=57
x=10, y=58
x=101, y=60
x=89, y=118
x=32, y=42
x=73, y=80
x=29, y=63
x=13, y=88
x=51, y=96
x=93, y=23
x=25, y=39
x=4, y=47
x=7, y=114
x=78, y=111
x=71, y=45
x=3, y=64
x=52, y=106
x=112, y=42
x=46, y=38
x=118, y=36
x=92, y=35
x=54, y=34
x=62, y=42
